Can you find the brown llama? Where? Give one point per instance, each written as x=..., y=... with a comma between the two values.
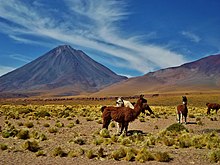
x=214, y=106
x=122, y=115
x=182, y=110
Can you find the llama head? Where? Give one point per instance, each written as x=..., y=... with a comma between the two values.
x=184, y=99
x=119, y=102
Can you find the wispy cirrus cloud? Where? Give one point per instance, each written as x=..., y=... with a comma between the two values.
x=193, y=37
x=20, y=57
x=91, y=24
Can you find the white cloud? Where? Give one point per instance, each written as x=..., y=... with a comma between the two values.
x=193, y=37
x=5, y=69
x=90, y=24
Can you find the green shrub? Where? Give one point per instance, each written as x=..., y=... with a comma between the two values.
x=42, y=114
x=40, y=153
x=162, y=156
x=59, y=124
x=53, y=130
x=90, y=154
x=59, y=152
x=31, y=146
x=130, y=154
x=29, y=124
x=214, y=156
x=3, y=146
x=9, y=131
x=176, y=127
x=104, y=133
x=144, y=155
x=118, y=154
x=23, y=134
x=46, y=125
x=80, y=141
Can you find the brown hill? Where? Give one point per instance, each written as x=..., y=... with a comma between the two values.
x=62, y=71
x=198, y=76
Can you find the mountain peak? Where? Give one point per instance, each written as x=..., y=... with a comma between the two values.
x=62, y=69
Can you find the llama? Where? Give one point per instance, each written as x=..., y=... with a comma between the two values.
x=122, y=115
x=182, y=110
x=124, y=103
x=214, y=106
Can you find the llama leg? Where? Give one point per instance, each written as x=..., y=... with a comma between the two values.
x=122, y=127
x=119, y=125
x=106, y=123
x=126, y=128
x=208, y=111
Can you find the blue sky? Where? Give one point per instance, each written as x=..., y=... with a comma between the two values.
x=131, y=37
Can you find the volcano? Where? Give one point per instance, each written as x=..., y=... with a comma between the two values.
x=62, y=71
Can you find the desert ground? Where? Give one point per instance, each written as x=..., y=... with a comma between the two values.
x=70, y=132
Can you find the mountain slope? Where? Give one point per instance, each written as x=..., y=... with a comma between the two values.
x=197, y=76
x=61, y=71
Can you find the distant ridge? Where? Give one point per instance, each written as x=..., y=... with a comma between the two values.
x=62, y=71
x=198, y=76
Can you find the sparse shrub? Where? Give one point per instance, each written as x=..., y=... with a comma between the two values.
x=168, y=141
x=23, y=134
x=59, y=152
x=42, y=114
x=59, y=125
x=99, y=121
x=118, y=154
x=214, y=155
x=80, y=141
x=176, y=127
x=40, y=153
x=98, y=141
x=9, y=131
x=53, y=130
x=198, y=119
x=126, y=141
x=42, y=137
x=3, y=146
x=46, y=125
x=29, y=124
x=130, y=154
x=141, y=119
x=104, y=133
x=100, y=152
x=90, y=154
x=144, y=155
x=20, y=123
x=31, y=146
x=71, y=125
x=75, y=152
x=162, y=157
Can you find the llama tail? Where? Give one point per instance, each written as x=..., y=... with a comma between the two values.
x=103, y=108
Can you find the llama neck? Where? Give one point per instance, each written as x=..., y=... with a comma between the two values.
x=137, y=110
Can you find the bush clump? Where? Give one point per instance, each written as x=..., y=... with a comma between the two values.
x=32, y=146
x=104, y=133
x=59, y=152
x=214, y=156
x=162, y=157
x=176, y=127
x=23, y=134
